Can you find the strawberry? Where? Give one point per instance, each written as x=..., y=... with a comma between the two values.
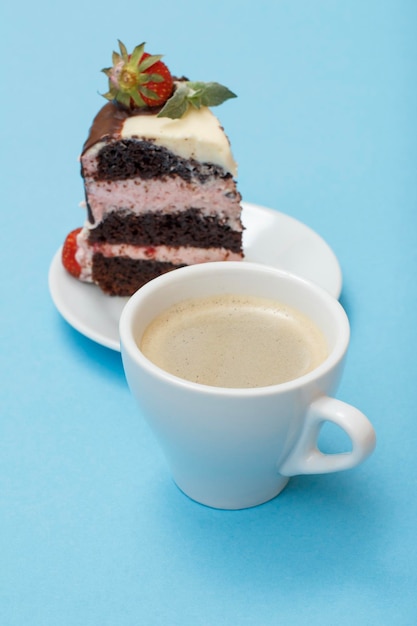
x=68, y=253
x=138, y=79
x=162, y=89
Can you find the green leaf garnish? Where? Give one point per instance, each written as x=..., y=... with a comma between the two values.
x=195, y=94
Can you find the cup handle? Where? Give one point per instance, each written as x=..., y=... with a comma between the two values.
x=306, y=458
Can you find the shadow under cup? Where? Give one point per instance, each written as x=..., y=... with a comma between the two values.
x=234, y=448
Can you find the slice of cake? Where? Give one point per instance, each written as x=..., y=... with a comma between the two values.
x=159, y=180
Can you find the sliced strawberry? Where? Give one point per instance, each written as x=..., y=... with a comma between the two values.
x=68, y=253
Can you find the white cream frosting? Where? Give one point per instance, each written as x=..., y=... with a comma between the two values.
x=197, y=135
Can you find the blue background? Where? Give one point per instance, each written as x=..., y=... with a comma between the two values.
x=92, y=530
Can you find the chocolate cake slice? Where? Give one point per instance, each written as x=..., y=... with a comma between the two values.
x=160, y=192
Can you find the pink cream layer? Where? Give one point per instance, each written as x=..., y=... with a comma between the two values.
x=215, y=197
x=169, y=254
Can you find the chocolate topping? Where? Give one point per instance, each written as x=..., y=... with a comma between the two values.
x=108, y=122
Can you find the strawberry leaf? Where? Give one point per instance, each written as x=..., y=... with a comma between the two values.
x=196, y=94
x=136, y=55
x=150, y=78
x=148, y=93
x=149, y=61
x=211, y=94
x=116, y=58
x=123, y=50
x=123, y=98
x=109, y=95
x=177, y=104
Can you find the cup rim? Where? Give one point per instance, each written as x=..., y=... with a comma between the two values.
x=128, y=344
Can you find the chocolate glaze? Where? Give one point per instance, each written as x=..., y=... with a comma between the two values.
x=108, y=122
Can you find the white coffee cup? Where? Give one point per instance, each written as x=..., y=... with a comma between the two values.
x=234, y=448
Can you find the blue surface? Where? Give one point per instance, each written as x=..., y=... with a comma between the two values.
x=92, y=531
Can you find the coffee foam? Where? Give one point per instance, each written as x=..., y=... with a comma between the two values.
x=234, y=341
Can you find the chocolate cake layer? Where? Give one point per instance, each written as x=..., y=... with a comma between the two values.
x=121, y=276
x=130, y=158
x=185, y=228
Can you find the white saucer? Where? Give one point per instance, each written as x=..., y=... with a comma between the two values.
x=270, y=238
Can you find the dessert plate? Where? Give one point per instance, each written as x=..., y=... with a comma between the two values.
x=270, y=237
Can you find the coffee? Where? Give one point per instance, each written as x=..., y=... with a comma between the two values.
x=234, y=341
